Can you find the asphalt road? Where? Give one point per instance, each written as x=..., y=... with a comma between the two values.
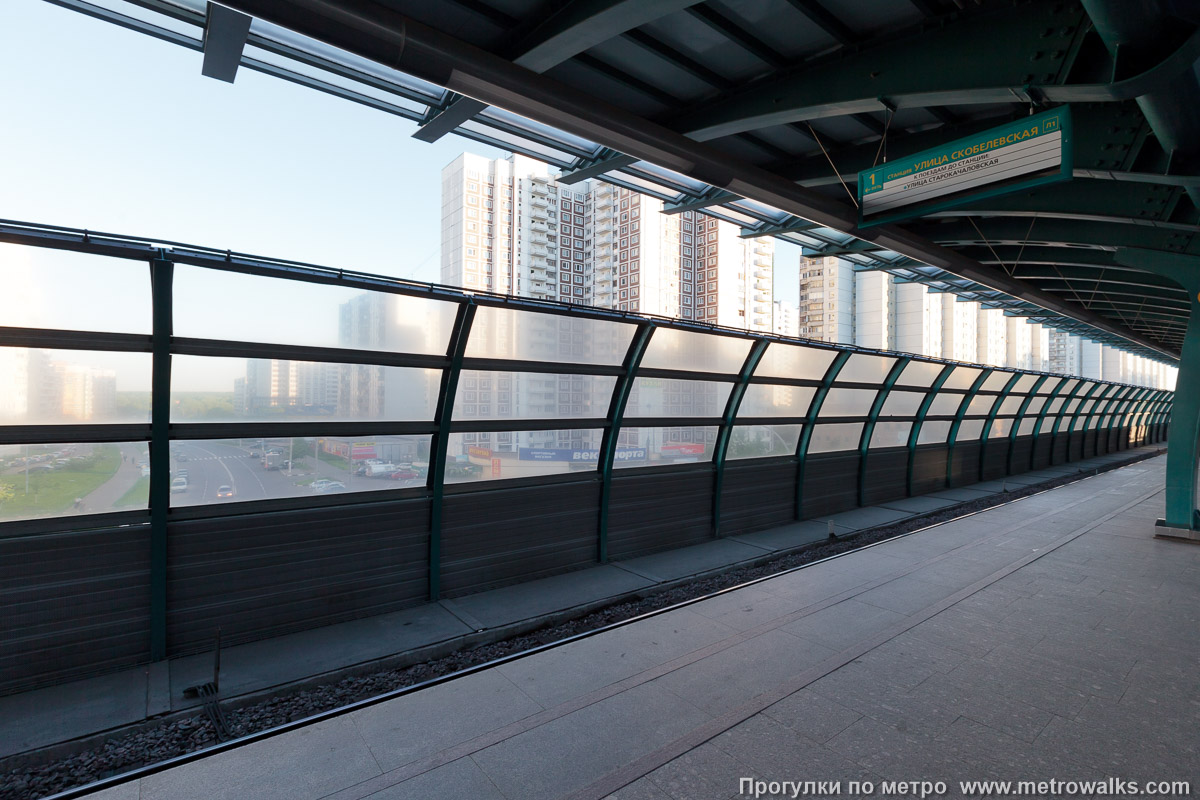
x=213, y=464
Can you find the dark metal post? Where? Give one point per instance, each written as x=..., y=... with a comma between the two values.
x=612, y=430
x=814, y=409
x=161, y=277
x=731, y=409
x=438, y=447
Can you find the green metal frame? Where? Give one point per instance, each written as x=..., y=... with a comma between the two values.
x=162, y=273
x=914, y=434
x=1016, y=428
x=952, y=436
x=985, y=433
x=439, y=444
x=1110, y=403
x=814, y=409
x=864, y=442
x=727, y=419
x=1058, y=421
x=1078, y=412
x=1041, y=419
x=616, y=416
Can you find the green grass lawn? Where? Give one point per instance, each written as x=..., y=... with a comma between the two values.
x=138, y=496
x=54, y=492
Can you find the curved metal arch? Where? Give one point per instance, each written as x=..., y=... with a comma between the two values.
x=616, y=417
x=1103, y=401
x=985, y=434
x=1076, y=413
x=727, y=419
x=1041, y=418
x=952, y=436
x=864, y=441
x=814, y=409
x=1012, y=435
x=915, y=433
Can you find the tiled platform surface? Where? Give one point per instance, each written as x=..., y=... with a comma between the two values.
x=1050, y=638
x=61, y=713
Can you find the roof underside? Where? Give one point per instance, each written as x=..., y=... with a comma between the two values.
x=761, y=112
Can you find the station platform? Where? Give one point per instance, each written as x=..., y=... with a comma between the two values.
x=1051, y=638
x=67, y=717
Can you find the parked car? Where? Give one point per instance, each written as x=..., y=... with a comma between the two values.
x=404, y=474
x=224, y=491
x=179, y=485
x=324, y=487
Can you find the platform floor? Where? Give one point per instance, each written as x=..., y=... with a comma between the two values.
x=1050, y=638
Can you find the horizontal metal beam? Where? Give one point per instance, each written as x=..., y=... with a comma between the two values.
x=607, y=161
x=708, y=199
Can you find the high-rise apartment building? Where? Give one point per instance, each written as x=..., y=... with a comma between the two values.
x=786, y=319
x=1065, y=353
x=992, y=344
x=827, y=299
x=960, y=328
x=509, y=227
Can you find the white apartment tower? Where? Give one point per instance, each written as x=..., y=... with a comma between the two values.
x=827, y=299
x=918, y=320
x=993, y=338
x=960, y=328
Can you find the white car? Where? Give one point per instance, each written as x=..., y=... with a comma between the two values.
x=323, y=486
x=179, y=485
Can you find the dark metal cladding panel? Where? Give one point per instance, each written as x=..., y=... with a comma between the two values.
x=758, y=495
x=656, y=510
x=502, y=536
x=1075, y=449
x=263, y=575
x=1059, y=449
x=1089, y=443
x=886, y=475
x=964, y=469
x=995, y=459
x=1022, y=450
x=1101, y=441
x=830, y=484
x=1041, y=451
x=73, y=605
x=929, y=468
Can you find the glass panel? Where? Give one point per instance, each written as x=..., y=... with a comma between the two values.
x=890, y=434
x=45, y=387
x=205, y=389
x=526, y=454
x=207, y=471
x=1024, y=383
x=1055, y=405
x=962, y=378
x=1035, y=405
x=73, y=291
x=863, y=368
x=1092, y=423
x=1048, y=386
x=759, y=441
x=487, y=395
x=969, y=430
x=934, y=432
x=1085, y=389
x=1000, y=427
x=771, y=400
x=527, y=336
x=791, y=361
x=1068, y=386
x=55, y=480
x=902, y=404
x=920, y=373
x=1047, y=425
x=1027, y=426
x=982, y=404
x=1071, y=406
x=668, y=445
x=996, y=381
x=1011, y=405
x=258, y=309
x=848, y=402
x=700, y=352
x=835, y=437
x=945, y=405
x=1106, y=422
x=662, y=397
x=1087, y=406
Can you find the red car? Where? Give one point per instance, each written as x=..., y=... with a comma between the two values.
x=404, y=474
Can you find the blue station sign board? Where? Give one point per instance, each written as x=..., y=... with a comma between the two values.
x=1030, y=152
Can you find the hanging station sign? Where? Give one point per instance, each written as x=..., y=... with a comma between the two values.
x=1029, y=152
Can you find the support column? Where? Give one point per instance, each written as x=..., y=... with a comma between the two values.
x=161, y=278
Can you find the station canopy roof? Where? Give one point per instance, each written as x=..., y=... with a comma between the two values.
x=763, y=112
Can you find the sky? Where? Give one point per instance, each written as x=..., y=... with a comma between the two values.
x=111, y=130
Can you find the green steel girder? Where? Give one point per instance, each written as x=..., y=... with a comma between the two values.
x=960, y=232
x=814, y=410
x=606, y=160
x=612, y=431
x=793, y=225
x=1099, y=404
x=952, y=436
x=914, y=434
x=1083, y=401
x=440, y=442
x=1041, y=417
x=712, y=197
x=162, y=321
x=986, y=433
x=727, y=419
x=1016, y=428
x=864, y=443
x=991, y=57
x=1113, y=405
